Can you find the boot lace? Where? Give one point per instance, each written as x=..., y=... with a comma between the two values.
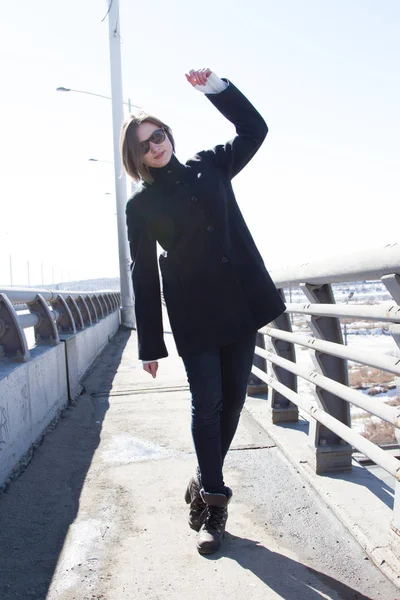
x=215, y=518
x=197, y=505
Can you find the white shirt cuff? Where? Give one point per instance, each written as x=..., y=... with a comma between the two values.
x=214, y=85
x=146, y=362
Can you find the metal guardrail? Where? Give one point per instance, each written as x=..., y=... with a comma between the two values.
x=331, y=438
x=359, y=266
x=51, y=313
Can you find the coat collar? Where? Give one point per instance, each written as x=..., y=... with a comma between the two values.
x=173, y=172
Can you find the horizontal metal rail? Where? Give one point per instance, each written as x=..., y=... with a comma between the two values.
x=26, y=295
x=359, y=266
x=375, y=453
x=365, y=357
x=389, y=313
x=390, y=414
x=32, y=319
x=51, y=313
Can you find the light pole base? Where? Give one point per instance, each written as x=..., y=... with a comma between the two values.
x=127, y=317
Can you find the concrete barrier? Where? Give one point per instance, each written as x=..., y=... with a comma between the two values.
x=33, y=394
x=83, y=347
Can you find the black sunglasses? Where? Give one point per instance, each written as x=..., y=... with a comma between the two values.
x=157, y=137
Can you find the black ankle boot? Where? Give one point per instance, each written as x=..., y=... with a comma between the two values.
x=213, y=529
x=197, y=509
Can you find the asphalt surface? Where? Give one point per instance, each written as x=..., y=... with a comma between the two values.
x=99, y=513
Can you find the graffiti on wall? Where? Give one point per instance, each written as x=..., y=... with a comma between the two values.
x=4, y=431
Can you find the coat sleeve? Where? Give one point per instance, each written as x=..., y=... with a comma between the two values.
x=146, y=287
x=251, y=130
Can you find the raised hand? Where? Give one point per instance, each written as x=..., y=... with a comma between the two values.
x=198, y=77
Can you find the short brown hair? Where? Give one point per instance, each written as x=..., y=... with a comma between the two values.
x=130, y=149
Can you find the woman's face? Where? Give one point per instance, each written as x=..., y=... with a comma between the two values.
x=159, y=154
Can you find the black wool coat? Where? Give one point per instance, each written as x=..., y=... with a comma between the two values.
x=215, y=283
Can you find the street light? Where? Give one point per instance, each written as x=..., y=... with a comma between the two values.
x=110, y=162
x=128, y=104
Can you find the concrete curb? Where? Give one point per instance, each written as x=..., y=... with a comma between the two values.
x=350, y=496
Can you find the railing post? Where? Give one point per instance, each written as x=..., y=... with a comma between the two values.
x=103, y=304
x=106, y=304
x=92, y=309
x=83, y=307
x=99, y=308
x=282, y=410
x=76, y=313
x=330, y=453
x=395, y=526
x=392, y=284
x=46, y=330
x=255, y=385
x=12, y=337
x=112, y=300
x=65, y=320
x=110, y=305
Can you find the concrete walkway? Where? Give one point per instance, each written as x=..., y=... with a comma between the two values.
x=99, y=513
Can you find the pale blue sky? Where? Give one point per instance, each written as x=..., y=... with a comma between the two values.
x=324, y=74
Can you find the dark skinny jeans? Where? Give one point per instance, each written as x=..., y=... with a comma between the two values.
x=218, y=384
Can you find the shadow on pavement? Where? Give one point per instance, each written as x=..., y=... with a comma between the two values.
x=370, y=481
x=290, y=579
x=38, y=508
x=361, y=476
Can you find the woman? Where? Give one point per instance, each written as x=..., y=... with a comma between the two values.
x=217, y=290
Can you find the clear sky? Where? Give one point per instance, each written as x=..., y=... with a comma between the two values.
x=323, y=73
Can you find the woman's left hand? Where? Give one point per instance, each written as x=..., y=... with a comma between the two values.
x=198, y=77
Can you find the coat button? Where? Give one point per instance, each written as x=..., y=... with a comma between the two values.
x=178, y=182
x=210, y=229
x=225, y=259
x=194, y=199
x=169, y=171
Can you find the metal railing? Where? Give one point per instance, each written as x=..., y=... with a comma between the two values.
x=331, y=438
x=48, y=341
x=51, y=313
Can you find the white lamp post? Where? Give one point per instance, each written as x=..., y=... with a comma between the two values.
x=127, y=312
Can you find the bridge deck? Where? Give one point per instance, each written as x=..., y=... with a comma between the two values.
x=99, y=513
